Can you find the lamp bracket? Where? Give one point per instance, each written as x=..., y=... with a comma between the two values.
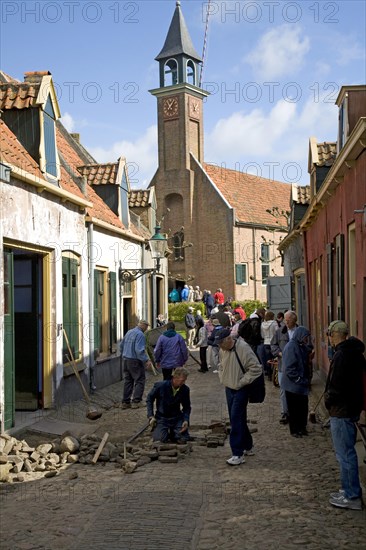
x=129, y=275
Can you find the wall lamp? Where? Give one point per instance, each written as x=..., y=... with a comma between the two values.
x=158, y=244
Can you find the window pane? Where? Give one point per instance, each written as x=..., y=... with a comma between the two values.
x=265, y=252
x=265, y=273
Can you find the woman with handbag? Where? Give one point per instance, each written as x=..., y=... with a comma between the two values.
x=242, y=375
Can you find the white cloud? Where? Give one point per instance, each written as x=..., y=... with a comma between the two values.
x=280, y=51
x=141, y=156
x=68, y=122
x=281, y=136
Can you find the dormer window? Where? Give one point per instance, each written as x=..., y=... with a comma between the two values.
x=49, y=136
x=191, y=73
x=124, y=189
x=171, y=73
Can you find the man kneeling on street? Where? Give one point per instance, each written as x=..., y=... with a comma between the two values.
x=173, y=408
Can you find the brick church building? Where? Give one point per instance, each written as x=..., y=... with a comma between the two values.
x=233, y=220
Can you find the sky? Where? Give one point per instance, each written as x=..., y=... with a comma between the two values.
x=273, y=70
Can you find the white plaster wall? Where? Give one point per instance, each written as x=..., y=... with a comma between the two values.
x=39, y=219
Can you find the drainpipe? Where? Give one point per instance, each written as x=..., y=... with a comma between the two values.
x=254, y=264
x=91, y=268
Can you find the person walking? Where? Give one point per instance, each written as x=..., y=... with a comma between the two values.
x=170, y=351
x=296, y=379
x=197, y=294
x=202, y=344
x=278, y=343
x=190, y=323
x=185, y=293
x=213, y=348
x=135, y=361
x=236, y=388
x=268, y=329
x=343, y=397
x=210, y=303
x=173, y=408
x=219, y=297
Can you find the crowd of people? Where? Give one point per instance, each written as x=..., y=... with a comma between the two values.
x=242, y=350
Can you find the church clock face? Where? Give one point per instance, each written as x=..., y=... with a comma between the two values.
x=194, y=108
x=170, y=107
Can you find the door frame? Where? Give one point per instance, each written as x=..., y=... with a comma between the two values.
x=48, y=260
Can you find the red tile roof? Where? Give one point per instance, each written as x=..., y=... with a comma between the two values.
x=301, y=194
x=18, y=96
x=100, y=174
x=327, y=153
x=13, y=152
x=138, y=198
x=251, y=196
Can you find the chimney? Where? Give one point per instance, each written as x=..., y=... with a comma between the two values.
x=76, y=137
x=35, y=77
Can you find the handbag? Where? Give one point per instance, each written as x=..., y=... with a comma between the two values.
x=257, y=389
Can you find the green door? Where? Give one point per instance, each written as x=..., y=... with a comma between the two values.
x=9, y=376
x=98, y=311
x=70, y=304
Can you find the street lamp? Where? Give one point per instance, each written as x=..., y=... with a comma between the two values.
x=158, y=246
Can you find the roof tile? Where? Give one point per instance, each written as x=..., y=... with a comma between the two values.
x=252, y=196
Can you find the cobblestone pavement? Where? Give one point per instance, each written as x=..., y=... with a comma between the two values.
x=278, y=499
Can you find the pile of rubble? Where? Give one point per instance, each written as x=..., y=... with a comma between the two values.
x=17, y=458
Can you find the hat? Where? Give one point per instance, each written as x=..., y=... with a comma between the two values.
x=338, y=326
x=215, y=322
x=190, y=309
x=143, y=322
x=222, y=334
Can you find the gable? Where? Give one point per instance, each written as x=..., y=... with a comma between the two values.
x=252, y=197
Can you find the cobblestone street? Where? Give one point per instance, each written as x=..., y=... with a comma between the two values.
x=278, y=499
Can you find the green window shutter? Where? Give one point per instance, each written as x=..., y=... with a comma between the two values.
x=96, y=311
x=70, y=298
x=112, y=309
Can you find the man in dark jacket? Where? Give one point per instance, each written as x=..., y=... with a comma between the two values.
x=344, y=399
x=173, y=408
x=190, y=323
x=170, y=351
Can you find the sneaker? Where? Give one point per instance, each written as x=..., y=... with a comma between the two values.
x=215, y=371
x=284, y=418
x=236, y=460
x=337, y=494
x=136, y=405
x=126, y=406
x=342, y=502
x=250, y=452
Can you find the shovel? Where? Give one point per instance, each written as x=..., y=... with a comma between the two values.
x=92, y=412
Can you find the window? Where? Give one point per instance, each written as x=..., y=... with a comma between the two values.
x=171, y=73
x=124, y=199
x=70, y=306
x=265, y=273
x=178, y=242
x=265, y=252
x=241, y=274
x=105, y=312
x=191, y=73
x=50, y=138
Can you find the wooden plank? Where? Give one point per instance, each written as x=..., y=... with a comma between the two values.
x=100, y=448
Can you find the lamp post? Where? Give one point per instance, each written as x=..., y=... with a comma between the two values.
x=158, y=245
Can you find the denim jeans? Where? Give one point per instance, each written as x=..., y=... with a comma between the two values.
x=284, y=407
x=240, y=437
x=170, y=428
x=344, y=440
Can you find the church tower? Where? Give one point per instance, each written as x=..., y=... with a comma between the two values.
x=180, y=135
